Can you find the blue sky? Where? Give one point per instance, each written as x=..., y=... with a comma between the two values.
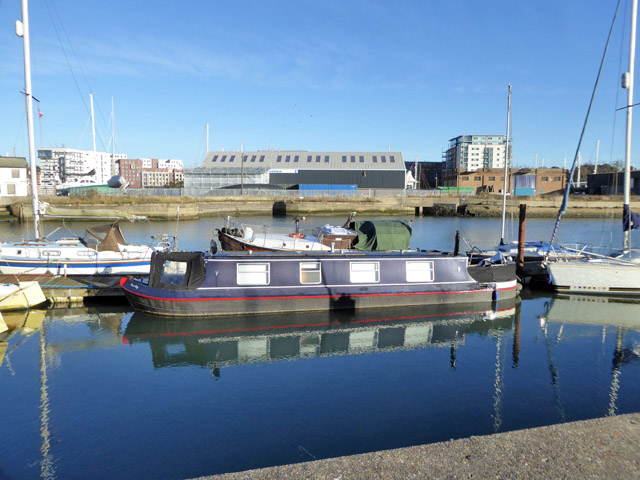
x=330, y=75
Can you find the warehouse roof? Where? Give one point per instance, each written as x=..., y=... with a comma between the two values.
x=304, y=160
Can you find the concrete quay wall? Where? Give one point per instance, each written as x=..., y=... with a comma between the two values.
x=603, y=448
x=194, y=208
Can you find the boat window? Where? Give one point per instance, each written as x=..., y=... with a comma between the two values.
x=365, y=272
x=253, y=273
x=419, y=271
x=86, y=253
x=51, y=253
x=310, y=272
x=173, y=272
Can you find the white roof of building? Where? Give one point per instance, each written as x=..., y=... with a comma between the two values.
x=305, y=160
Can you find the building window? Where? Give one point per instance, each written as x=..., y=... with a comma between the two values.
x=310, y=272
x=252, y=273
x=296, y=158
x=253, y=158
x=279, y=159
x=353, y=159
x=309, y=158
x=545, y=179
x=215, y=158
x=317, y=158
x=361, y=158
x=224, y=158
x=287, y=158
x=465, y=178
x=11, y=188
x=365, y=272
x=261, y=158
x=383, y=158
x=15, y=173
x=344, y=159
x=232, y=158
x=375, y=159
x=419, y=271
x=477, y=179
x=393, y=159
x=326, y=159
x=492, y=179
x=556, y=179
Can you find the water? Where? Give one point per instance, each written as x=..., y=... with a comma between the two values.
x=105, y=392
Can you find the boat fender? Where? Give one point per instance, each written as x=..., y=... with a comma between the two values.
x=494, y=295
x=214, y=246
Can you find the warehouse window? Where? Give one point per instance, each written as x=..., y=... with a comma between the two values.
x=384, y=159
x=375, y=159
x=262, y=158
x=224, y=158
x=393, y=159
x=232, y=158
x=326, y=159
x=253, y=158
x=288, y=158
x=309, y=158
x=344, y=159
x=215, y=158
x=15, y=173
x=361, y=158
x=317, y=158
x=279, y=159
x=353, y=158
x=296, y=158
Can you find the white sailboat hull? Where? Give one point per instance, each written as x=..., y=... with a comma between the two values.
x=595, y=277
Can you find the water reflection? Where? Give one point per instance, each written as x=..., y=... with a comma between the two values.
x=216, y=342
x=621, y=313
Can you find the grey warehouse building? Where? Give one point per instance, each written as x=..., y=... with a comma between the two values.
x=291, y=169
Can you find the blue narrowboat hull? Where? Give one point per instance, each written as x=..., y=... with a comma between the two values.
x=338, y=281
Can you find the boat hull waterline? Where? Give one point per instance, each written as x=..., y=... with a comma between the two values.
x=220, y=294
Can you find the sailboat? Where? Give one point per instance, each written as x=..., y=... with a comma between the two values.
x=109, y=253
x=618, y=273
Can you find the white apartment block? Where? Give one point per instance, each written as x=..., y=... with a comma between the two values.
x=473, y=152
x=61, y=165
x=14, y=181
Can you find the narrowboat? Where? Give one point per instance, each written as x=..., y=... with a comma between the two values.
x=196, y=284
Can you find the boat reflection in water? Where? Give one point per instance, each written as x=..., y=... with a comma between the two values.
x=620, y=314
x=216, y=342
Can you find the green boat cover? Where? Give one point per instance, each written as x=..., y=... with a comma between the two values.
x=378, y=235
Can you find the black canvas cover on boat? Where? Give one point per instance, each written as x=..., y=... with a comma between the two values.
x=177, y=270
x=379, y=235
x=108, y=237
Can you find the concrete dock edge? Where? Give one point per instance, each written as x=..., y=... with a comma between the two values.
x=603, y=448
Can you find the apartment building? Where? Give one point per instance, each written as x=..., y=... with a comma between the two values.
x=473, y=152
x=69, y=165
x=150, y=172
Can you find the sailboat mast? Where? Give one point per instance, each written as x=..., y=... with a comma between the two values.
x=506, y=170
x=627, y=152
x=22, y=30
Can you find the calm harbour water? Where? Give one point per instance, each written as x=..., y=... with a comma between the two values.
x=103, y=392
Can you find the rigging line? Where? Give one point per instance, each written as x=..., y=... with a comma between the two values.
x=565, y=200
x=66, y=57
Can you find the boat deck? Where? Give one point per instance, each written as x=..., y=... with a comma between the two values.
x=72, y=289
